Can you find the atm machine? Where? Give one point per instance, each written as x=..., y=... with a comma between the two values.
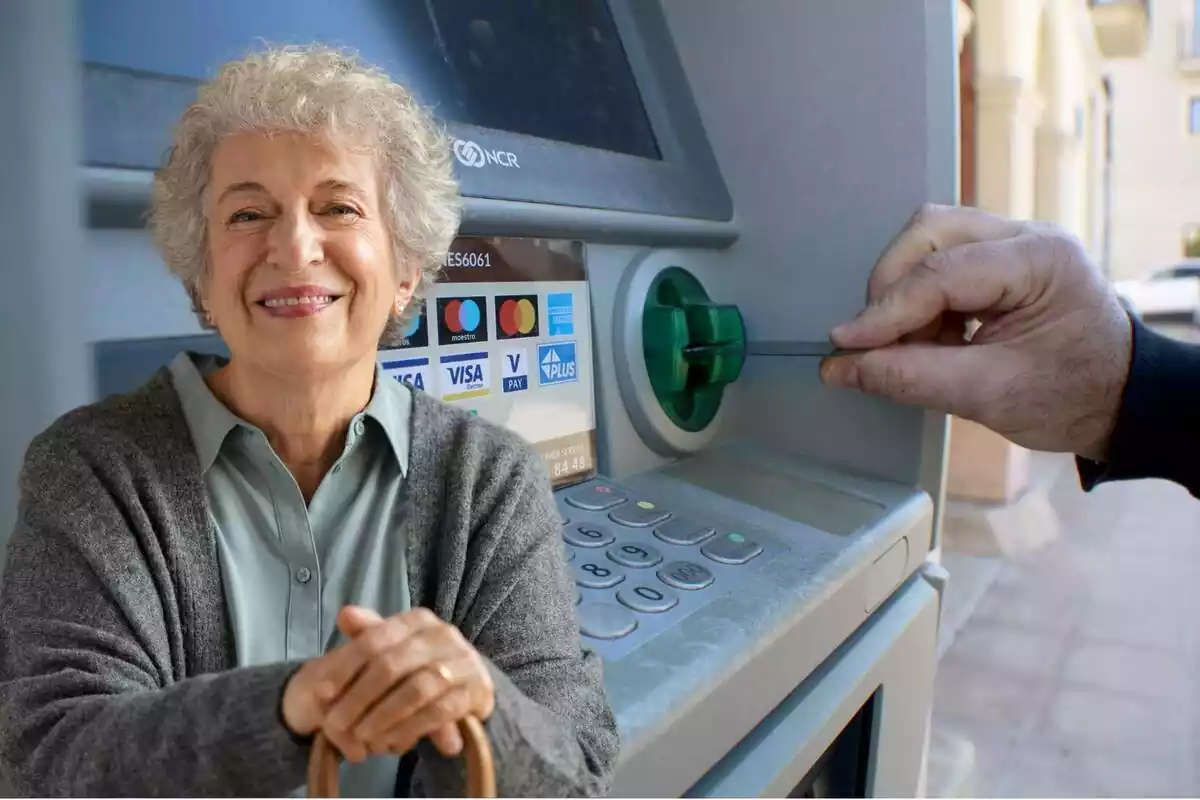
x=663, y=197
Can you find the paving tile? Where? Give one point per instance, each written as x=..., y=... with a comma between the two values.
x=1021, y=653
x=1125, y=669
x=1078, y=770
x=1109, y=624
x=993, y=750
x=973, y=695
x=1036, y=606
x=1141, y=728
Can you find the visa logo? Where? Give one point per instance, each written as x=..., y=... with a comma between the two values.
x=412, y=371
x=557, y=363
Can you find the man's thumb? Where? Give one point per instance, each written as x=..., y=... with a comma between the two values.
x=933, y=376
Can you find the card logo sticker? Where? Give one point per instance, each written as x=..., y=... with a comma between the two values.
x=514, y=370
x=560, y=308
x=416, y=330
x=465, y=375
x=416, y=372
x=516, y=316
x=556, y=363
x=461, y=320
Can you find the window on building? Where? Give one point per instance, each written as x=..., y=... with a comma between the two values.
x=1191, y=241
x=1194, y=115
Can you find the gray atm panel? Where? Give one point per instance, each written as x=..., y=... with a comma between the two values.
x=143, y=60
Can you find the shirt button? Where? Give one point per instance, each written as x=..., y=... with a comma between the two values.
x=359, y=427
x=303, y=575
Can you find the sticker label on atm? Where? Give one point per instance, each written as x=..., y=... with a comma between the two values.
x=461, y=320
x=514, y=370
x=465, y=375
x=516, y=316
x=560, y=308
x=557, y=364
x=416, y=372
x=416, y=330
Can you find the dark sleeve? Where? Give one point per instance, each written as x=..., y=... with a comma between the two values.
x=1157, y=433
x=553, y=730
x=89, y=702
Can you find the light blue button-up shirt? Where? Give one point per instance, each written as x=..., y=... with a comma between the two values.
x=287, y=567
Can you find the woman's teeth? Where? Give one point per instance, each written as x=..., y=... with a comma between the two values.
x=298, y=301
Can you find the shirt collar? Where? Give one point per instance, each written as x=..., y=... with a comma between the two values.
x=211, y=421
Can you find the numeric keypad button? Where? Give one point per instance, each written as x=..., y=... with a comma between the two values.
x=636, y=556
x=641, y=514
x=605, y=621
x=686, y=575
x=596, y=497
x=592, y=574
x=683, y=531
x=589, y=536
x=648, y=599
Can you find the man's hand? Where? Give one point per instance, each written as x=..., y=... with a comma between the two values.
x=1048, y=363
x=395, y=682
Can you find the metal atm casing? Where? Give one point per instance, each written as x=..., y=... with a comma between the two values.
x=794, y=140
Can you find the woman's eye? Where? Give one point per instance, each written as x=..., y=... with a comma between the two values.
x=244, y=216
x=342, y=210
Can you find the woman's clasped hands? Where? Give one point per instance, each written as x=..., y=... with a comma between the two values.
x=396, y=681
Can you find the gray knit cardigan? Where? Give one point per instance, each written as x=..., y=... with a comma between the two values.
x=117, y=669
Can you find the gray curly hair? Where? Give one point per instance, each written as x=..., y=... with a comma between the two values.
x=312, y=89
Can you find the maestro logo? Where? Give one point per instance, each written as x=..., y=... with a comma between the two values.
x=461, y=320
x=416, y=330
x=471, y=154
x=516, y=316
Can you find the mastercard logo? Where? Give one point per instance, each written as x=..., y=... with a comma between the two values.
x=516, y=316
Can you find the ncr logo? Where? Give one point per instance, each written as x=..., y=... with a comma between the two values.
x=557, y=363
x=471, y=154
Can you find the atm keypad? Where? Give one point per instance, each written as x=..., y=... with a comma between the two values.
x=639, y=567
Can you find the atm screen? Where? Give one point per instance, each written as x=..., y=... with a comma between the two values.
x=547, y=68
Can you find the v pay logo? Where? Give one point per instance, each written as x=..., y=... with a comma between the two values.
x=514, y=370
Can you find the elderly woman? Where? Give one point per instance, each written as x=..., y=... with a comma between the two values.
x=241, y=553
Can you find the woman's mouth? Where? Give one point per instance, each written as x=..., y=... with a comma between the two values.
x=295, y=302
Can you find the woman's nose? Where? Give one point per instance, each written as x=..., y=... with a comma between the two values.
x=295, y=241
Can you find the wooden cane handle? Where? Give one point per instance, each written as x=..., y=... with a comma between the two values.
x=324, y=761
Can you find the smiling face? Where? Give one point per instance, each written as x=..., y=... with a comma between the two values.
x=301, y=276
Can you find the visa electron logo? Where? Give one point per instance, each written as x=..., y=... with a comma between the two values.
x=470, y=154
x=465, y=375
x=557, y=363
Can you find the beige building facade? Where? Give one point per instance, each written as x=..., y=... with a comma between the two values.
x=1156, y=145
x=1035, y=145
